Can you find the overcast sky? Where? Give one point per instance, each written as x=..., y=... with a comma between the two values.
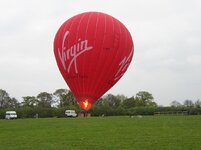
x=167, y=37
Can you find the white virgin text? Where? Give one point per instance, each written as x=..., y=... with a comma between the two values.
x=72, y=53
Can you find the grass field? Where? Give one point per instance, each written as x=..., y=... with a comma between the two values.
x=102, y=133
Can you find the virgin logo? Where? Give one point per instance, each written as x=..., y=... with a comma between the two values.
x=72, y=53
x=123, y=65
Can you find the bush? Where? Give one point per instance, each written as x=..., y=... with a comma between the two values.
x=141, y=111
x=28, y=112
x=194, y=111
x=2, y=113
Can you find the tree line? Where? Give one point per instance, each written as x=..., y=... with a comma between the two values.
x=54, y=105
x=64, y=98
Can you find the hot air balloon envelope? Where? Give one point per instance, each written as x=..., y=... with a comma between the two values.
x=93, y=50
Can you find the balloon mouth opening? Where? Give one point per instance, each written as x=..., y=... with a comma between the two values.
x=85, y=104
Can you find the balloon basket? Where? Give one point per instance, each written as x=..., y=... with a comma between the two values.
x=84, y=114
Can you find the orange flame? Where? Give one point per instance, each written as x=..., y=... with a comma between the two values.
x=86, y=104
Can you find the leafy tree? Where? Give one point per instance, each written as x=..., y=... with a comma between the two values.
x=6, y=101
x=99, y=102
x=198, y=104
x=144, y=98
x=4, y=98
x=61, y=95
x=121, y=97
x=70, y=99
x=106, y=105
x=13, y=103
x=188, y=103
x=45, y=99
x=30, y=101
x=65, y=98
x=112, y=101
x=175, y=104
x=129, y=103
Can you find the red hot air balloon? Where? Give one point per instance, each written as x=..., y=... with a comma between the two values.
x=93, y=50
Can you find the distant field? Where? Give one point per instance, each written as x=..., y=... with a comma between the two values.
x=102, y=133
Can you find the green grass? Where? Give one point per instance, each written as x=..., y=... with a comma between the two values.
x=102, y=133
